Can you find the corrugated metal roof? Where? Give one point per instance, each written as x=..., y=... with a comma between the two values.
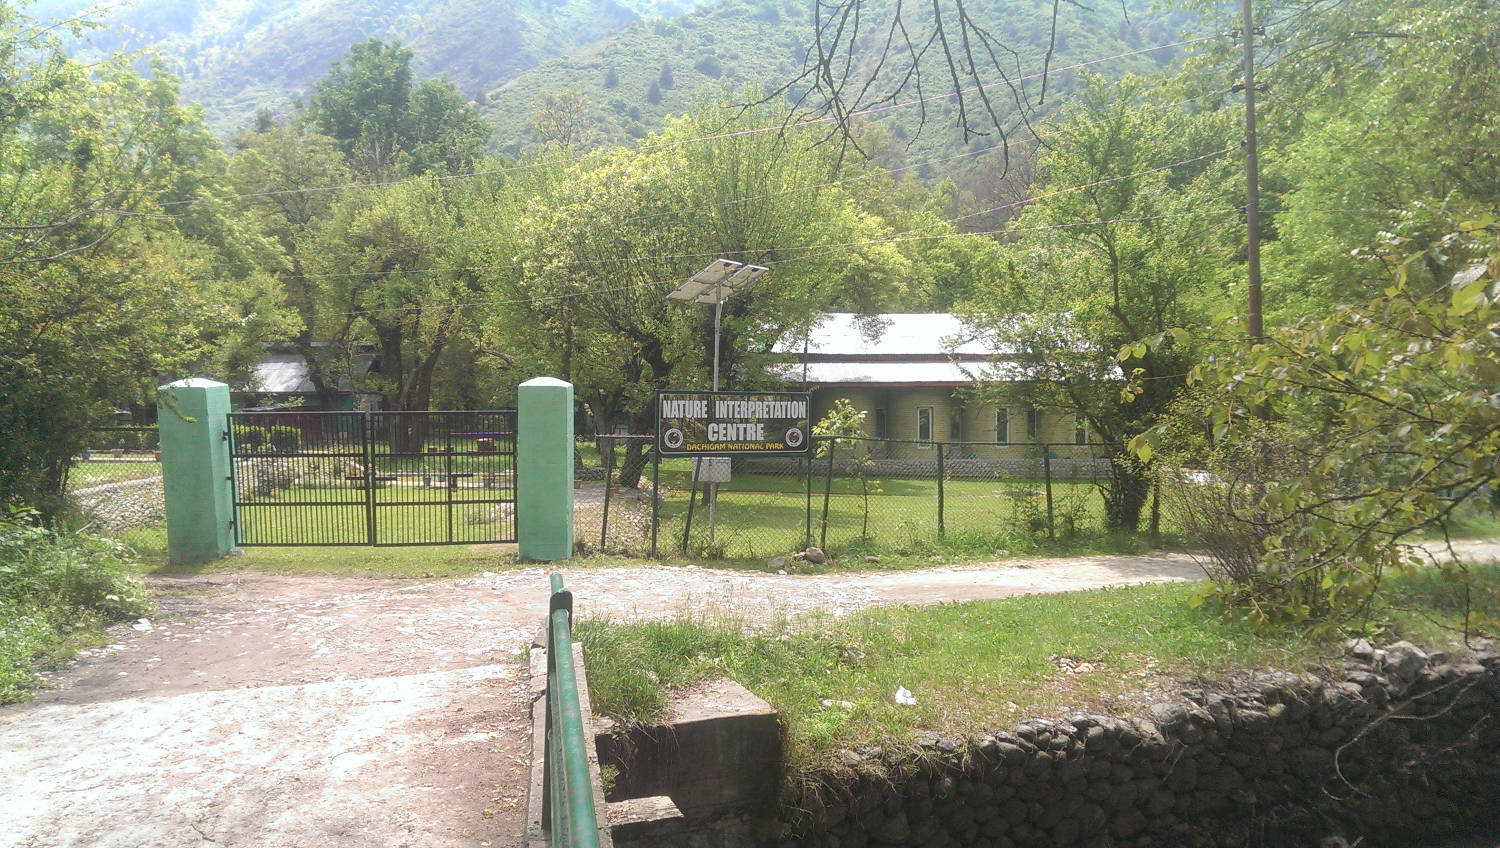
x=286, y=374
x=894, y=348
x=282, y=373
x=888, y=334
x=903, y=373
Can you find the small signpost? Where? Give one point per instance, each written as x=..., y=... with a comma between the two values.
x=732, y=423
x=715, y=284
x=721, y=425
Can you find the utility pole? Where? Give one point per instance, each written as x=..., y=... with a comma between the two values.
x=1252, y=178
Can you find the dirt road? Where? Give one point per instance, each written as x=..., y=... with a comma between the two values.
x=261, y=710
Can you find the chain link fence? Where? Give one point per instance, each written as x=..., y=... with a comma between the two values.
x=116, y=480
x=850, y=496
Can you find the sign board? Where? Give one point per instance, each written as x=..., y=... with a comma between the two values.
x=712, y=469
x=732, y=423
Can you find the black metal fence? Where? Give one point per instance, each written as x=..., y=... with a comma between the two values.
x=373, y=478
x=852, y=495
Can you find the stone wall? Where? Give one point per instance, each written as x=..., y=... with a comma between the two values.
x=114, y=507
x=1398, y=748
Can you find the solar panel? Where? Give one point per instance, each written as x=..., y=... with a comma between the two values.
x=706, y=281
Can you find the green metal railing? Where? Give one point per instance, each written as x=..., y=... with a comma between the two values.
x=568, y=797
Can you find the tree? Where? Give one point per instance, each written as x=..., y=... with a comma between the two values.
x=653, y=93
x=611, y=78
x=290, y=180
x=1369, y=122
x=383, y=264
x=110, y=267
x=1115, y=250
x=562, y=118
x=385, y=125
x=605, y=243
x=1381, y=426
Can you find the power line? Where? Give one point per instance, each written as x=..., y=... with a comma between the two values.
x=770, y=250
x=782, y=127
x=828, y=249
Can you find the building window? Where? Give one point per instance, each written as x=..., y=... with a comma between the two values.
x=1080, y=430
x=882, y=427
x=1002, y=425
x=1033, y=423
x=924, y=423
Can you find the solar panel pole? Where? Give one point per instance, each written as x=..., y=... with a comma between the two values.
x=718, y=319
x=735, y=275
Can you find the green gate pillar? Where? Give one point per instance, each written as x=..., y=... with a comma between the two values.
x=193, y=419
x=544, y=469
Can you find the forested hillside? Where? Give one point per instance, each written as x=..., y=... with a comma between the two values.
x=641, y=73
x=632, y=61
x=238, y=57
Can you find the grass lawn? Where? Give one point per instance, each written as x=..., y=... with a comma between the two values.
x=98, y=471
x=972, y=666
x=758, y=516
x=150, y=545
x=763, y=515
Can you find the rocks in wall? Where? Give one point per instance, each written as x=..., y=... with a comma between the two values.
x=114, y=507
x=1400, y=745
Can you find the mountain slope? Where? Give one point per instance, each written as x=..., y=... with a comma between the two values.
x=637, y=75
x=238, y=56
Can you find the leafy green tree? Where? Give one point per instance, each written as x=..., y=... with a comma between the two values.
x=1116, y=249
x=1370, y=122
x=384, y=265
x=563, y=118
x=387, y=125
x=110, y=268
x=1381, y=426
x=605, y=243
x=289, y=180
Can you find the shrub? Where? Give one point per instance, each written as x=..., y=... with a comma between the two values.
x=250, y=439
x=262, y=477
x=285, y=439
x=56, y=587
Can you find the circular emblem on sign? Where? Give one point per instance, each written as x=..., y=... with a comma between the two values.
x=793, y=438
x=672, y=438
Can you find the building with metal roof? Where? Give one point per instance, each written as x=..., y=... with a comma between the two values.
x=921, y=379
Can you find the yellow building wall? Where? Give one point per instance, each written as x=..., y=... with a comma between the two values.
x=977, y=423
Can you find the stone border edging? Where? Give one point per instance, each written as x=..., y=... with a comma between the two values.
x=1402, y=746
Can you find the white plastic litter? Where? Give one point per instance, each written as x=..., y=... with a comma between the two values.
x=904, y=697
x=141, y=624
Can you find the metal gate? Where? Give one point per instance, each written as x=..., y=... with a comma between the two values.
x=373, y=478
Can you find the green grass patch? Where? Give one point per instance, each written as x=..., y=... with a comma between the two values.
x=1437, y=605
x=150, y=547
x=764, y=515
x=982, y=666
x=972, y=666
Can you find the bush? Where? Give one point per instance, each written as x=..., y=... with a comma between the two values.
x=249, y=440
x=285, y=439
x=56, y=587
x=25, y=633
